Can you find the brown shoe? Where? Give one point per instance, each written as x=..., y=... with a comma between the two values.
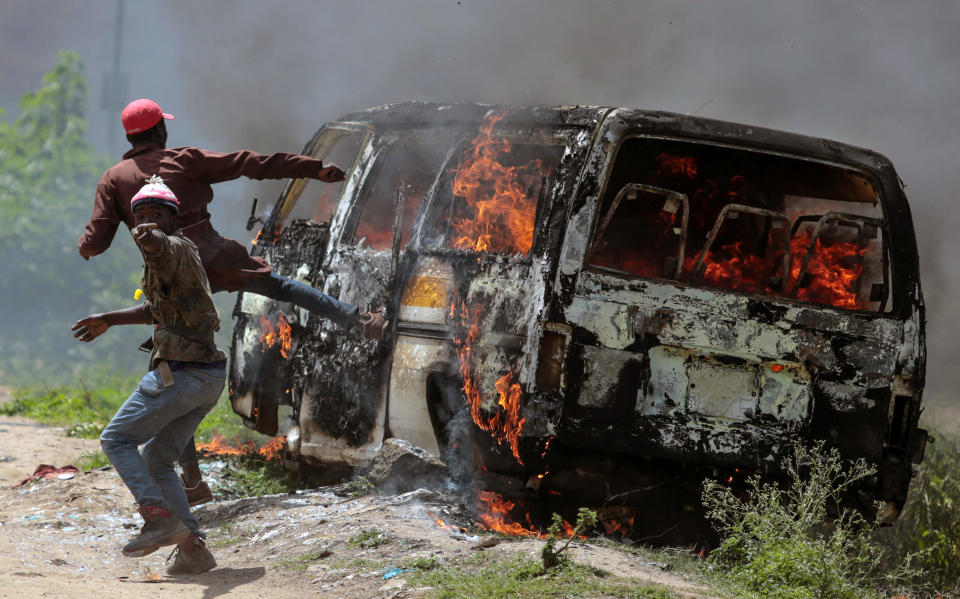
x=193, y=557
x=198, y=494
x=161, y=527
x=373, y=324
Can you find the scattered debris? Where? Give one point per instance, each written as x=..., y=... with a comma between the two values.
x=46, y=471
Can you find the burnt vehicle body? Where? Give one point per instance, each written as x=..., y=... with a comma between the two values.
x=610, y=293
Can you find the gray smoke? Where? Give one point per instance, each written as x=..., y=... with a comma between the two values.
x=265, y=76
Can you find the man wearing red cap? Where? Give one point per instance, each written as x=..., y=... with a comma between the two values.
x=189, y=173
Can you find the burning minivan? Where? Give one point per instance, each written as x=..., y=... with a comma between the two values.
x=592, y=303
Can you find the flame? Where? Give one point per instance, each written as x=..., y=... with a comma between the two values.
x=834, y=270
x=443, y=524
x=621, y=527
x=505, y=425
x=220, y=446
x=495, y=516
x=256, y=239
x=273, y=449
x=271, y=335
x=497, y=214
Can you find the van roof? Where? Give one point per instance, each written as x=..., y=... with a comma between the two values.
x=414, y=115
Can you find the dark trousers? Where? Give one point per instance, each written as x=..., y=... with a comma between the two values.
x=300, y=294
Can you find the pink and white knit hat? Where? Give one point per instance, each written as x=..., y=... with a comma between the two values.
x=156, y=192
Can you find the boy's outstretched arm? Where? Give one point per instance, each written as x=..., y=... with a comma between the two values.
x=147, y=237
x=89, y=328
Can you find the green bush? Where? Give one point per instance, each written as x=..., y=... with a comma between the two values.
x=799, y=541
x=369, y=539
x=929, y=528
x=84, y=408
x=92, y=460
x=487, y=576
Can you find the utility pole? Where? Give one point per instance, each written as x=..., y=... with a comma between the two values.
x=115, y=84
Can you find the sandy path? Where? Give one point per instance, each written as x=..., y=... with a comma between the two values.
x=62, y=538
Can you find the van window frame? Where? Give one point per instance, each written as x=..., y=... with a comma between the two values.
x=562, y=137
x=294, y=188
x=890, y=308
x=382, y=143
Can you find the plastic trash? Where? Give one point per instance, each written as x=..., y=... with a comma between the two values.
x=391, y=572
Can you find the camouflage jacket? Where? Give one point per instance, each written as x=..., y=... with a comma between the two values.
x=178, y=297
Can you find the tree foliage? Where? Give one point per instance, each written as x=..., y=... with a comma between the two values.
x=48, y=174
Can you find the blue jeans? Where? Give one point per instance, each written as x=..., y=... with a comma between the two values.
x=163, y=420
x=288, y=290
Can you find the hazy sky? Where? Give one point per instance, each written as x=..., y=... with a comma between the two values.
x=265, y=75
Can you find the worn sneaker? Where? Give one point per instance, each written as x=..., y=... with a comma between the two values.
x=193, y=557
x=161, y=527
x=373, y=324
x=198, y=494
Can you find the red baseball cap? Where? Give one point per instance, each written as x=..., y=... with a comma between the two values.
x=142, y=114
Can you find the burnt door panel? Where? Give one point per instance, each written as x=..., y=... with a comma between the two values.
x=267, y=332
x=294, y=241
x=343, y=386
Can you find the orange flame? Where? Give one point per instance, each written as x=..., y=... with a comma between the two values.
x=282, y=334
x=219, y=446
x=621, y=527
x=443, y=524
x=495, y=516
x=505, y=425
x=497, y=215
x=833, y=269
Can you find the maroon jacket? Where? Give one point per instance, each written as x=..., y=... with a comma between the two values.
x=189, y=172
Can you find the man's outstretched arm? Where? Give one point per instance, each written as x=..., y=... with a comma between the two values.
x=218, y=167
x=89, y=328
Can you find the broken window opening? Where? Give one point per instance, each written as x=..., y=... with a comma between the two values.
x=750, y=223
x=489, y=199
x=413, y=165
x=336, y=147
x=643, y=233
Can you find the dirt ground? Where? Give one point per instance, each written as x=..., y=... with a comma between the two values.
x=62, y=538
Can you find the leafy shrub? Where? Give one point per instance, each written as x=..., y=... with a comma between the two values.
x=488, y=576
x=92, y=460
x=251, y=476
x=552, y=557
x=80, y=407
x=358, y=488
x=929, y=528
x=369, y=539
x=782, y=542
x=85, y=430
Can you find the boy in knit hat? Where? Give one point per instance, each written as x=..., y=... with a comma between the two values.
x=187, y=372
